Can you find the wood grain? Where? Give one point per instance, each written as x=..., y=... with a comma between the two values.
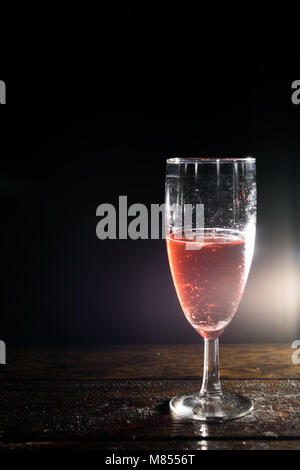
x=138, y=410
x=116, y=398
x=246, y=361
x=154, y=446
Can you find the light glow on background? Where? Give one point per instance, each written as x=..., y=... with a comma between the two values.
x=273, y=295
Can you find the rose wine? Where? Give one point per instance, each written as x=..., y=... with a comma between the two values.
x=209, y=274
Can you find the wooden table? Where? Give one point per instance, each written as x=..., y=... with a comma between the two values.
x=116, y=398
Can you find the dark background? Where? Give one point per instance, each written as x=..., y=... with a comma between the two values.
x=68, y=145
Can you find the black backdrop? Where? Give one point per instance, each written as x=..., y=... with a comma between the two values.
x=69, y=145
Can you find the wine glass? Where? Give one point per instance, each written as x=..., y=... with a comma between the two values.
x=210, y=217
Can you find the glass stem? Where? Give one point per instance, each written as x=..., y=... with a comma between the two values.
x=211, y=384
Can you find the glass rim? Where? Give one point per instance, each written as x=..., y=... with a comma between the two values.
x=210, y=159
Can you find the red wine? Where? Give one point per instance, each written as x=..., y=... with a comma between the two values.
x=209, y=277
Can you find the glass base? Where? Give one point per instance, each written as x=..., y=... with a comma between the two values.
x=211, y=408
